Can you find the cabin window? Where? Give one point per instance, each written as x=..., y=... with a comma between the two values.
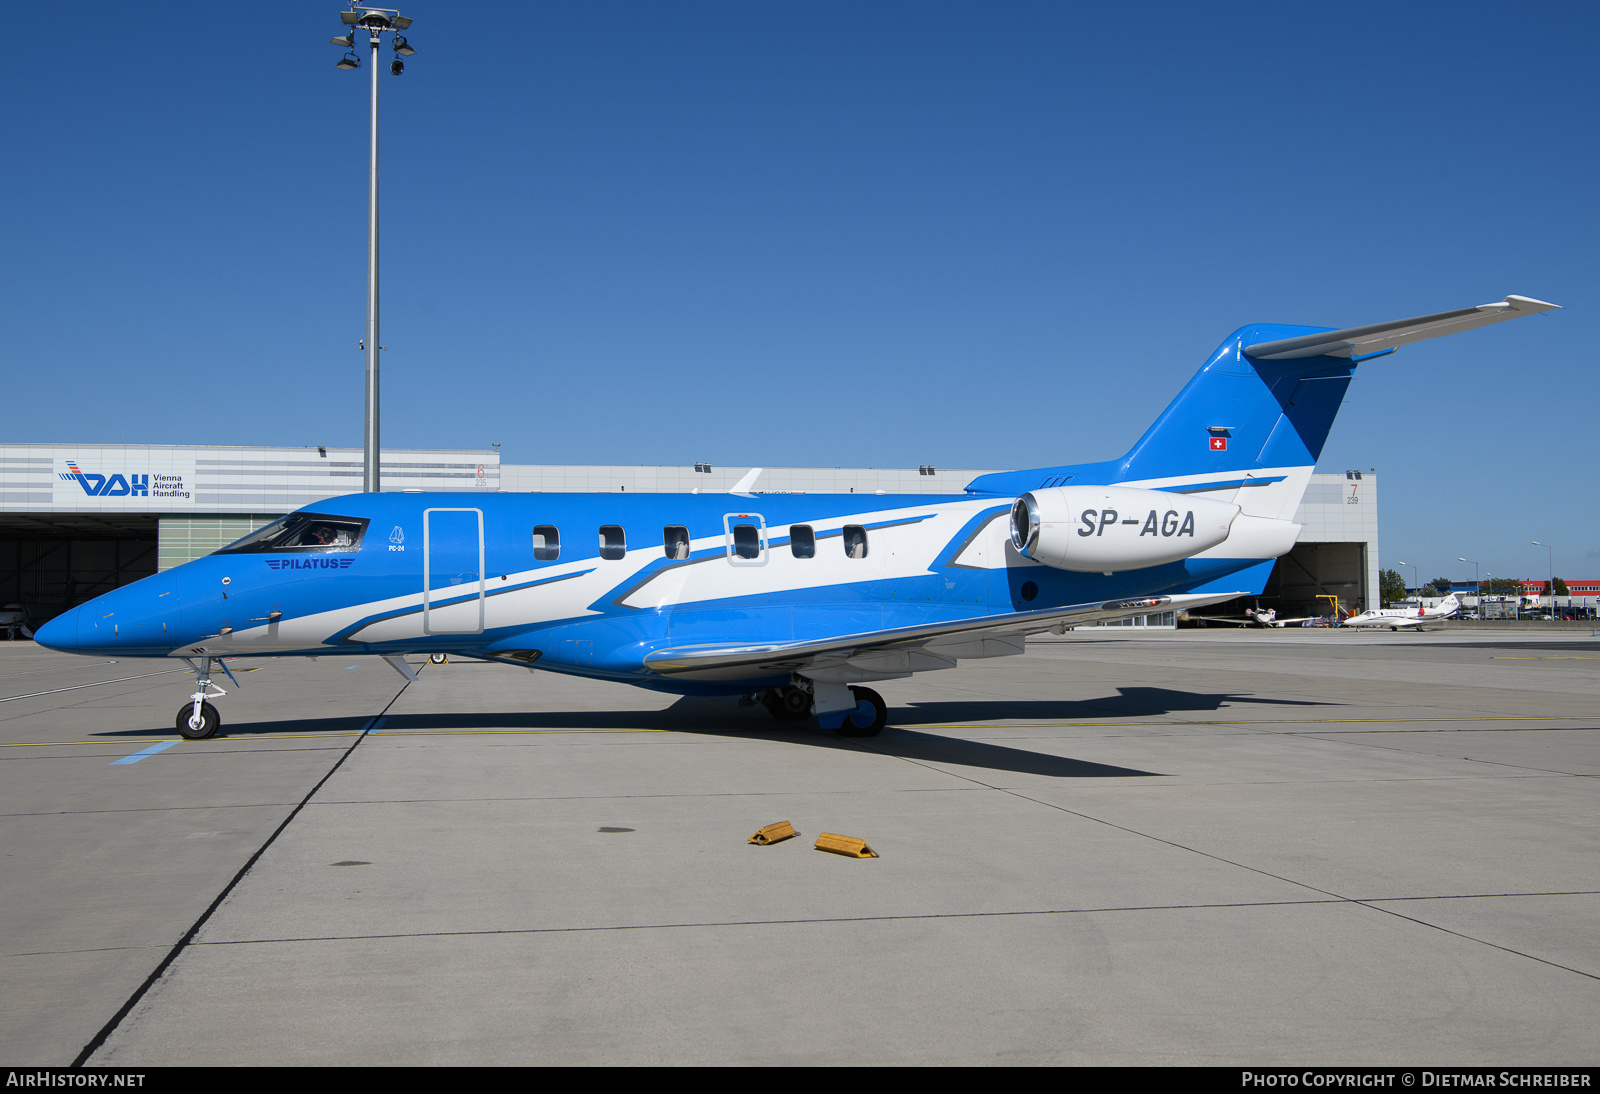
x=855, y=541
x=613, y=544
x=802, y=541
x=746, y=538
x=675, y=542
x=746, y=541
x=312, y=532
x=546, y=543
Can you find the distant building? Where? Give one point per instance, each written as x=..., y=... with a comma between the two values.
x=79, y=520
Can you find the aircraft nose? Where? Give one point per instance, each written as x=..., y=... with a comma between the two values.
x=61, y=633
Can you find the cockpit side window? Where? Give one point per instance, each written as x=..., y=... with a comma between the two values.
x=311, y=532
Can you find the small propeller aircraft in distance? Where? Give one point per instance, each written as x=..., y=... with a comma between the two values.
x=1256, y=617
x=14, y=618
x=1395, y=618
x=795, y=600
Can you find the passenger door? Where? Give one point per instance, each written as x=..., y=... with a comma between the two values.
x=452, y=571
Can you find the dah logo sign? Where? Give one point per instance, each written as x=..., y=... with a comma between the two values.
x=165, y=482
x=99, y=486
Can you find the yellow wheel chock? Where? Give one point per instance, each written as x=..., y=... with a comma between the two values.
x=845, y=845
x=773, y=833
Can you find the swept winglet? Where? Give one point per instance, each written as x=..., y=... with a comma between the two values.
x=1384, y=337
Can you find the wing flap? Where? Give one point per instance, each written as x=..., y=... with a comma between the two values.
x=1382, y=337
x=886, y=654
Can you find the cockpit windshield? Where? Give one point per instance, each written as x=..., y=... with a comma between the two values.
x=303, y=532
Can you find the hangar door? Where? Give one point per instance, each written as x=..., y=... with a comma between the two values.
x=452, y=571
x=52, y=562
x=1313, y=569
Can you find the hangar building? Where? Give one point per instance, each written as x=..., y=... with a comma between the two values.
x=79, y=520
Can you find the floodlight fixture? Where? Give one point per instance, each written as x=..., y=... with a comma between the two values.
x=375, y=21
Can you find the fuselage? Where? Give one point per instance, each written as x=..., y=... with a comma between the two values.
x=593, y=584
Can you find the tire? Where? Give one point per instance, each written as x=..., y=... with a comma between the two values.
x=869, y=717
x=436, y=658
x=209, y=721
x=789, y=704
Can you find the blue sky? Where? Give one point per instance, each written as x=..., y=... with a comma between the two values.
x=972, y=235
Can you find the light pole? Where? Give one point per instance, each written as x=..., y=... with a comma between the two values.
x=1552, y=556
x=1417, y=581
x=374, y=21
x=1476, y=583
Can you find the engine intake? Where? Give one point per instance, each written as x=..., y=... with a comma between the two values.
x=1096, y=529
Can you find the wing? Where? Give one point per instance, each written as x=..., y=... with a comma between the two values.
x=1385, y=337
x=883, y=655
x=1225, y=619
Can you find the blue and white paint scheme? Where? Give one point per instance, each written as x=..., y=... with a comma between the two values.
x=796, y=600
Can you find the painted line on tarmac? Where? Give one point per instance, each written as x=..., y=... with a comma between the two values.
x=132, y=1001
x=344, y=733
x=137, y=756
x=97, y=683
x=1235, y=722
x=59, y=668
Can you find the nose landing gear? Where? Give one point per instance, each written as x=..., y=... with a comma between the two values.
x=198, y=719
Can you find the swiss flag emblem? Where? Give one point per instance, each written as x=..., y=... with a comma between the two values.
x=1219, y=444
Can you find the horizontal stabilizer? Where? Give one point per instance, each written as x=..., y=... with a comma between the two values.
x=1381, y=337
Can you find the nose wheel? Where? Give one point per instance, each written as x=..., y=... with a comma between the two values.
x=197, y=726
x=198, y=719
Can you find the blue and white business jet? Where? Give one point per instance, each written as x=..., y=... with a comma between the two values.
x=796, y=600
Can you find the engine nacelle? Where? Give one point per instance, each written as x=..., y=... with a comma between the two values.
x=1098, y=529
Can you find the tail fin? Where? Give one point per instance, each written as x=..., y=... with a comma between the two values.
x=1259, y=410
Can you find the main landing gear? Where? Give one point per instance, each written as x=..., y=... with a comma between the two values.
x=796, y=702
x=789, y=704
x=869, y=717
x=198, y=719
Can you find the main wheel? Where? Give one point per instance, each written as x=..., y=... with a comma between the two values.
x=209, y=721
x=789, y=705
x=868, y=718
x=436, y=658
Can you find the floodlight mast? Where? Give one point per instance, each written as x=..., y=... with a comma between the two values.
x=374, y=21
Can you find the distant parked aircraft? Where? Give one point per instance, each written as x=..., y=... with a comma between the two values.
x=14, y=618
x=1395, y=618
x=1256, y=617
